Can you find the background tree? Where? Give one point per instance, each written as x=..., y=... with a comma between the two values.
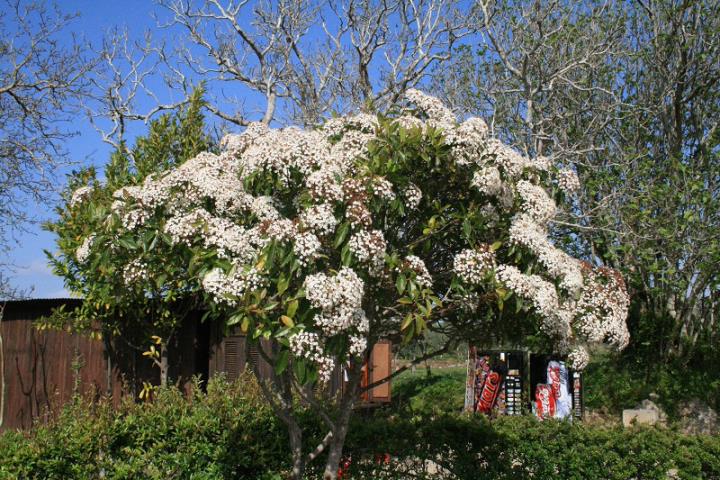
x=626, y=94
x=42, y=80
x=326, y=240
x=112, y=307
x=285, y=62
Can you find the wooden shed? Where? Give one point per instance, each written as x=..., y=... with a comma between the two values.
x=41, y=370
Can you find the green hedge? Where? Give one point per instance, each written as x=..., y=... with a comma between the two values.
x=226, y=433
x=229, y=433
x=470, y=447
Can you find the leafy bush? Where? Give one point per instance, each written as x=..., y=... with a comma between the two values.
x=470, y=447
x=230, y=433
x=612, y=384
x=418, y=393
x=227, y=432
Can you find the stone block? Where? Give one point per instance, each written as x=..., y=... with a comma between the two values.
x=639, y=416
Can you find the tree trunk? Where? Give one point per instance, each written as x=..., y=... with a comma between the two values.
x=341, y=427
x=164, y=365
x=2, y=375
x=296, y=447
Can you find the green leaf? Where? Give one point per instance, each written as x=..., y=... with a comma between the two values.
x=282, y=362
x=292, y=308
x=235, y=319
x=401, y=283
x=341, y=234
x=287, y=321
x=282, y=284
x=407, y=321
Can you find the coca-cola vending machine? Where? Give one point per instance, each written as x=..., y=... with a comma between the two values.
x=556, y=390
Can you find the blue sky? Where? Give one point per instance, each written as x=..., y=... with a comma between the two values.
x=86, y=148
x=96, y=17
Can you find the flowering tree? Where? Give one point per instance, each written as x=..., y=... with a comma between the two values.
x=326, y=240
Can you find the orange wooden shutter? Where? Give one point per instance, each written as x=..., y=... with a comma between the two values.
x=380, y=368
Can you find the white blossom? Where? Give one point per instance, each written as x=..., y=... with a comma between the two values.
x=413, y=196
x=472, y=265
x=307, y=247
x=135, y=271
x=339, y=298
x=568, y=181
x=578, y=358
x=369, y=248
x=307, y=345
x=228, y=288
x=487, y=180
x=83, y=251
x=383, y=188
x=422, y=276
x=80, y=194
x=319, y=218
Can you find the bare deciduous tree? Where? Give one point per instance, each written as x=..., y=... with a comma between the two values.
x=42, y=79
x=287, y=62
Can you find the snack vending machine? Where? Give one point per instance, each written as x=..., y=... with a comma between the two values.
x=495, y=382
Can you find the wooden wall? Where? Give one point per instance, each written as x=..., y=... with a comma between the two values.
x=43, y=369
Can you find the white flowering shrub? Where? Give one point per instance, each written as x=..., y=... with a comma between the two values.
x=326, y=239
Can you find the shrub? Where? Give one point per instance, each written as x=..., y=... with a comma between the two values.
x=612, y=384
x=470, y=447
x=227, y=432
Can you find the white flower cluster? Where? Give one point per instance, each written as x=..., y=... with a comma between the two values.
x=83, y=251
x=307, y=247
x=383, y=188
x=511, y=162
x=307, y=345
x=536, y=202
x=319, y=218
x=135, y=271
x=568, y=181
x=339, y=298
x=413, y=196
x=132, y=219
x=559, y=265
x=488, y=181
x=184, y=228
x=283, y=151
x=603, y=307
x=227, y=288
x=80, y=194
x=369, y=248
x=432, y=107
x=280, y=230
x=358, y=345
x=230, y=240
x=360, y=121
x=542, y=295
x=579, y=358
x=472, y=265
x=467, y=141
x=422, y=276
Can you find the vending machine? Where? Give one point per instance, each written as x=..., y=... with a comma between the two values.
x=516, y=382
x=495, y=382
